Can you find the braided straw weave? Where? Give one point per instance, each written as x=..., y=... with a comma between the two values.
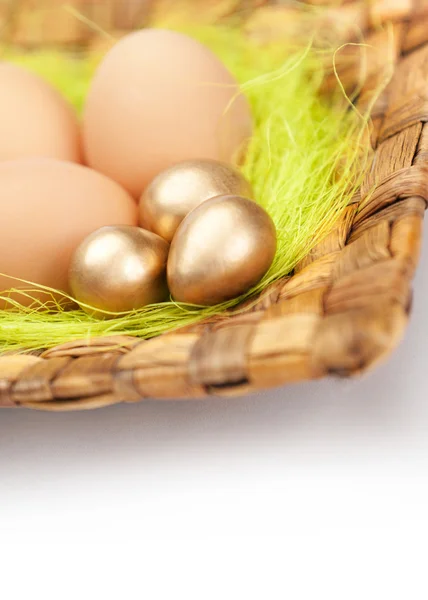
x=344, y=309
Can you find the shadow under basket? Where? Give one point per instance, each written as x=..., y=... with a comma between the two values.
x=343, y=311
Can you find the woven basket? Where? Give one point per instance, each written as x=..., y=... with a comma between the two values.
x=344, y=309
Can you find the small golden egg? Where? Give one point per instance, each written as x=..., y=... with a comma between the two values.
x=119, y=269
x=184, y=186
x=221, y=249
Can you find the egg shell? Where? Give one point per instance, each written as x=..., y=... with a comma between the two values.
x=119, y=269
x=184, y=186
x=47, y=207
x=220, y=250
x=158, y=98
x=35, y=120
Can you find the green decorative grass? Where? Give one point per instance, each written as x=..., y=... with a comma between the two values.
x=304, y=162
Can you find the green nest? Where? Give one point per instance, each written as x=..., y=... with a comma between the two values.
x=304, y=163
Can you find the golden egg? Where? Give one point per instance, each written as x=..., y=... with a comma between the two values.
x=119, y=269
x=221, y=249
x=184, y=186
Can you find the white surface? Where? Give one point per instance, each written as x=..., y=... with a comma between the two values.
x=313, y=491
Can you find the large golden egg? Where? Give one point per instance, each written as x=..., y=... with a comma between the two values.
x=119, y=269
x=183, y=187
x=220, y=250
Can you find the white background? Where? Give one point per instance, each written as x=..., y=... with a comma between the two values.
x=313, y=491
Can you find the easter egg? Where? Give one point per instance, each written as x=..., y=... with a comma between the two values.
x=35, y=120
x=159, y=98
x=181, y=188
x=119, y=269
x=220, y=250
x=47, y=207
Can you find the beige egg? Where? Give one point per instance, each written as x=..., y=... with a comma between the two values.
x=35, y=120
x=119, y=269
x=181, y=188
x=221, y=249
x=158, y=98
x=47, y=207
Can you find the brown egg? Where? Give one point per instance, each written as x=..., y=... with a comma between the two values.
x=221, y=249
x=47, y=207
x=183, y=187
x=35, y=120
x=159, y=98
x=119, y=269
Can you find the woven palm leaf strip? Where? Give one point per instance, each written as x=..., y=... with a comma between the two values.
x=344, y=309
